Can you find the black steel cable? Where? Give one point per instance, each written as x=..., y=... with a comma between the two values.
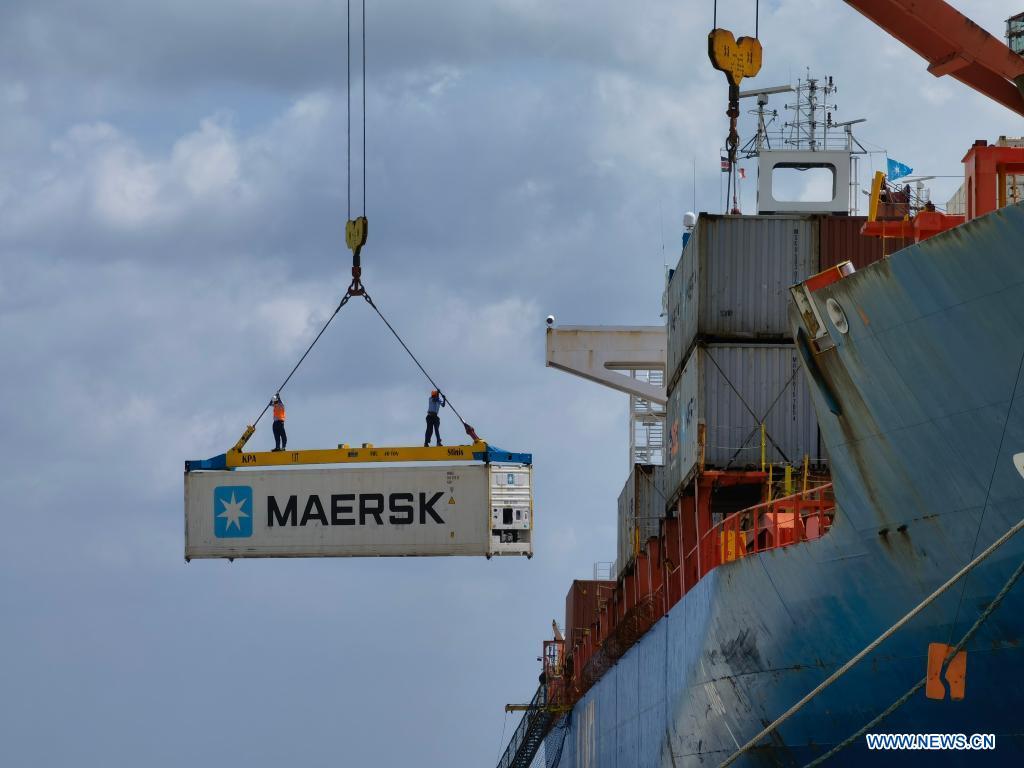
x=348, y=98
x=344, y=301
x=921, y=683
x=418, y=365
x=988, y=491
x=364, y=108
x=773, y=726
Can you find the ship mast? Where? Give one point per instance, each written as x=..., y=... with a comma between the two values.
x=810, y=140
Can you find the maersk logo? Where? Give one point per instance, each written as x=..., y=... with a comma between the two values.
x=232, y=511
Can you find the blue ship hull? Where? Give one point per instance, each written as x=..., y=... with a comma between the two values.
x=929, y=382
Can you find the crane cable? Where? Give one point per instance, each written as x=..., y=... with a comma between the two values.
x=468, y=428
x=355, y=235
x=344, y=300
x=287, y=378
x=732, y=183
x=775, y=724
x=363, y=20
x=757, y=16
x=924, y=681
x=348, y=99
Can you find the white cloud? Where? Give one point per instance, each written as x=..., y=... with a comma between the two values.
x=127, y=188
x=653, y=129
x=207, y=161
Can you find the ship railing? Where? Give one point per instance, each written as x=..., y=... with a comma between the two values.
x=649, y=588
x=623, y=620
x=800, y=517
x=630, y=627
x=554, y=670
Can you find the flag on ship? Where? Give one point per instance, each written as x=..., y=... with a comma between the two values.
x=896, y=170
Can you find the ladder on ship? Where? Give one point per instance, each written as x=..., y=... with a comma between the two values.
x=529, y=734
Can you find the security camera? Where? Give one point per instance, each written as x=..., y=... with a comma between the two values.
x=550, y=320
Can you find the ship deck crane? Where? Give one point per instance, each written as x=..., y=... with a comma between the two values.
x=952, y=45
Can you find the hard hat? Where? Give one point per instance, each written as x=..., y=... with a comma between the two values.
x=277, y=398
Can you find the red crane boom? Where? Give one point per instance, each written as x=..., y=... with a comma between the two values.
x=953, y=45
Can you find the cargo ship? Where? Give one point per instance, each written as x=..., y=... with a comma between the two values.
x=824, y=546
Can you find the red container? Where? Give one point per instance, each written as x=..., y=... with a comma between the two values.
x=582, y=605
x=839, y=240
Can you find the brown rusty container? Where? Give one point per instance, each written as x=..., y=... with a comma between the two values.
x=841, y=240
x=582, y=604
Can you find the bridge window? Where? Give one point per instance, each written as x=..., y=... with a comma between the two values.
x=802, y=183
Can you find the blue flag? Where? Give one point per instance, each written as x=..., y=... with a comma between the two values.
x=896, y=170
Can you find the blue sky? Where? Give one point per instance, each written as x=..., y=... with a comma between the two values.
x=172, y=208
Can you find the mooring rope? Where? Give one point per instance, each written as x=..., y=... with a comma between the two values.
x=875, y=643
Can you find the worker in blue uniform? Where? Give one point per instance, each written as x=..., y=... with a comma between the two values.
x=434, y=404
x=280, y=436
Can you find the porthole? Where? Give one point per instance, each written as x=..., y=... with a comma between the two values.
x=837, y=316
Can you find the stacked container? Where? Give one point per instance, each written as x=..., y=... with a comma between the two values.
x=582, y=605
x=732, y=281
x=731, y=364
x=730, y=390
x=641, y=507
x=840, y=240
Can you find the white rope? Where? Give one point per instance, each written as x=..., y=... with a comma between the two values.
x=877, y=642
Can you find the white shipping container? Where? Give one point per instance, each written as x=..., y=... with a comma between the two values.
x=360, y=512
x=732, y=281
x=730, y=389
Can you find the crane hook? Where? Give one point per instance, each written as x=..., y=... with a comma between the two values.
x=355, y=236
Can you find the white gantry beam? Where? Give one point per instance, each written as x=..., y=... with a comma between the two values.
x=599, y=353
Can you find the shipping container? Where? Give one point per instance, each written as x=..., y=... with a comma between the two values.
x=641, y=506
x=582, y=604
x=840, y=240
x=732, y=281
x=725, y=392
x=365, y=512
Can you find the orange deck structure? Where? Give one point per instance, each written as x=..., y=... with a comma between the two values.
x=690, y=545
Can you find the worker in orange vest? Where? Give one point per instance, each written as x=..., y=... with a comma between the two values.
x=280, y=436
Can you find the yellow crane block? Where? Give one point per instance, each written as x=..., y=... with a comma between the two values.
x=736, y=58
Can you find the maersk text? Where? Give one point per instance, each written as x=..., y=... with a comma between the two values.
x=353, y=509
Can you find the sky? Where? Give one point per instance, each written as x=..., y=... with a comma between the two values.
x=173, y=195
